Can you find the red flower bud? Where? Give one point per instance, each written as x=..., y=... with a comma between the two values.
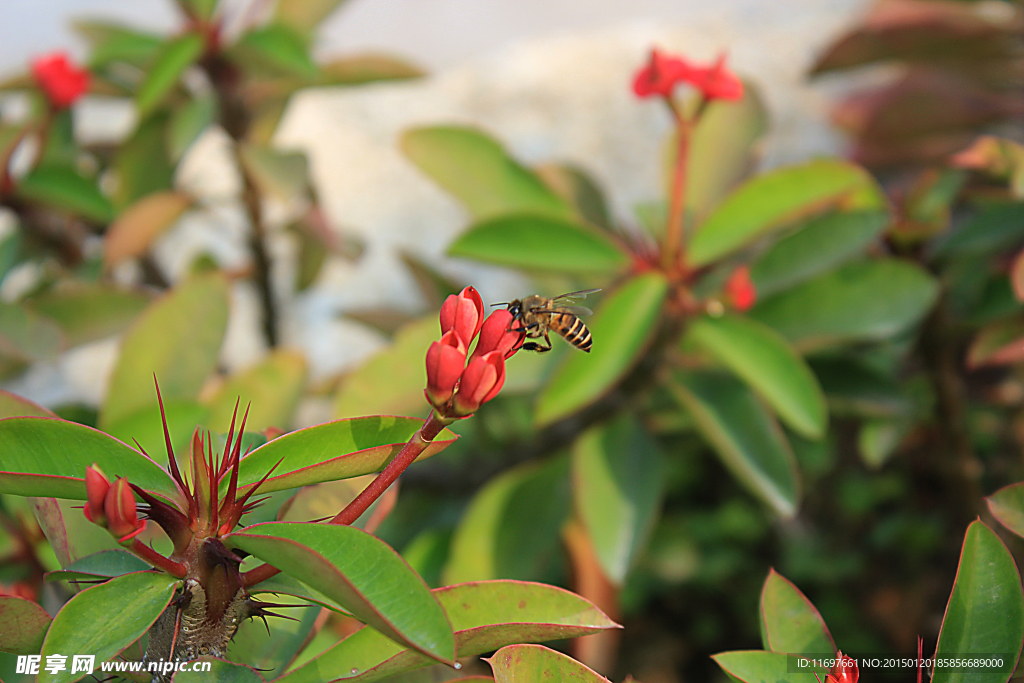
x=481, y=381
x=844, y=671
x=740, y=290
x=495, y=335
x=62, y=82
x=445, y=361
x=717, y=83
x=464, y=313
x=660, y=76
x=122, y=520
x=96, y=487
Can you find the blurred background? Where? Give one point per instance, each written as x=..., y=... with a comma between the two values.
x=901, y=311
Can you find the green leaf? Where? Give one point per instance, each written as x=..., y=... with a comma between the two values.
x=142, y=162
x=104, y=564
x=537, y=242
x=758, y=666
x=621, y=327
x=863, y=301
x=305, y=15
x=284, y=175
x=1007, y=506
x=139, y=225
x=360, y=572
x=202, y=9
x=27, y=336
x=12, y=405
x=366, y=68
x=763, y=359
x=59, y=147
x=745, y=436
x=789, y=622
x=473, y=167
x=71, y=536
x=334, y=450
x=617, y=473
x=580, y=191
x=878, y=439
x=392, y=381
x=48, y=457
x=854, y=388
x=985, y=613
x=116, y=43
x=221, y=671
x=817, y=247
x=270, y=389
x=284, y=584
x=512, y=526
x=88, y=312
x=271, y=649
x=995, y=228
x=187, y=123
x=63, y=188
x=177, y=339
x=722, y=149
x=484, y=615
x=174, y=57
x=771, y=200
x=83, y=625
x=279, y=48
x=23, y=625
x=537, y=664
x=145, y=426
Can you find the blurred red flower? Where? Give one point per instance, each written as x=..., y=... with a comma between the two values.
x=61, y=80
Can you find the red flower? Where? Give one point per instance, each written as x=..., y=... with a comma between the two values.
x=481, y=381
x=740, y=290
x=660, y=75
x=96, y=487
x=844, y=671
x=716, y=82
x=464, y=313
x=495, y=335
x=119, y=506
x=445, y=360
x=62, y=82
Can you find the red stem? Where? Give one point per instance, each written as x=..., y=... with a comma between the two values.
x=157, y=560
x=674, y=226
x=419, y=441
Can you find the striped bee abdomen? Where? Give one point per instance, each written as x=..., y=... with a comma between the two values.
x=572, y=330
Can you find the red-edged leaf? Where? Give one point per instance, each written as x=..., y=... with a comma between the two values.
x=789, y=622
x=334, y=450
x=23, y=625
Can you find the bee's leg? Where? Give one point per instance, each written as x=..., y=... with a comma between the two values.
x=535, y=346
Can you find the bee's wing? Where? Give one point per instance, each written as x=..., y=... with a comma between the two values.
x=576, y=295
x=576, y=310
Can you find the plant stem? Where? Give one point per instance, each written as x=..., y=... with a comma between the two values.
x=413, y=448
x=157, y=560
x=235, y=118
x=674, y=227
x=261, y=259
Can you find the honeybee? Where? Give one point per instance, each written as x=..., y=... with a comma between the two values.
x=537, y=316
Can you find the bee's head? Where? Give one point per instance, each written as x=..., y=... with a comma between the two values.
x=515, y=308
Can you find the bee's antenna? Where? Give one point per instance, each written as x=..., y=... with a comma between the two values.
x=501, y=303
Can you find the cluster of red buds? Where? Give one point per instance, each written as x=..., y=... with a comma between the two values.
x=664, y=72
x=61, y=80
x=454, y=387
x=112, y=506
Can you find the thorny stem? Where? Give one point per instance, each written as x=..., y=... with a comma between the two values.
x=417, y=443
